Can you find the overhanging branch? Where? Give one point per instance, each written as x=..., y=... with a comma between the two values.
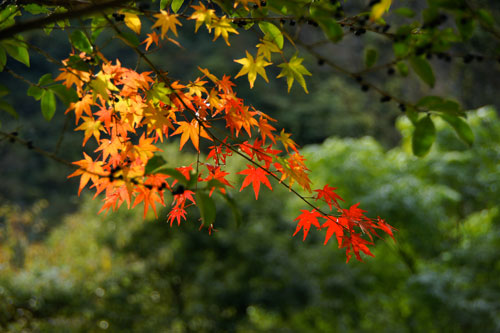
x=73, y=13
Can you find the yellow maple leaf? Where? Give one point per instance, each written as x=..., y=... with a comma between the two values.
x=294, y=70
x=286, y=141
x=91, y=127
x=133, y=22
x=167, y=22
x=202, y=15
x=379, y=9
x=222, y=26
x=266, y=47
x=252, y=67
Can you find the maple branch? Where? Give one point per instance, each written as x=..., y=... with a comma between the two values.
x=14, y=137
x=55, y=17
x=364, y=84
x=201, y=122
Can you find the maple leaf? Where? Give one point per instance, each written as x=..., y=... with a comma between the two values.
x=334, y=227
x=305, y=220
x=191, y=131
x=152, y=38
x=379, y=9
x=266, y=47
x=145, y=149
x=202, y=15
x=384, y=226
x=89, y=170
x=167, y=22
x=102, y=85
x=266, y=130
x=255, y=176
x=252, y=67
x=225, y=84
x=72, y=76
x=82, y=106
x=133, y=22
x=222, y=26
x=218, y=178
x=294, y=70
x=176, y=214
x=295, y=169
x=150, y=197
x=354, y=243
x=286, y=141
x=329, y=196
x=110, y=147
x=91, y=127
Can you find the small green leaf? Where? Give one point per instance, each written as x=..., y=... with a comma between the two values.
x=80, y=41
x=35, y=92
x=97, y=26
x=466, y=27
x=176, y=5
x=17, y=50
x=3, y=58
x=8, y=108
x=486, y=18
x=405, y=11
x=371, y=57
x=4, y=90
x=66, y=95
x=402, y=68
x=423, y=70
x=461, y=127
x=400, y=49
x=272, y=33
x=36, y=9
x=206, y=205
x=48, y=104
x=45, y=79
x=436, y=103
x=423, y=136
x=331, y=29
x=164, y=3
x=154, y=163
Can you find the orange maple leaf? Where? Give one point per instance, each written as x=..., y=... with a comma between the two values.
x=89, y=170
x=191, y=131
x=152, y=38
x=167, y=22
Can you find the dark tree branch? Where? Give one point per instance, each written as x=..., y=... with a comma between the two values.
x=73, y=13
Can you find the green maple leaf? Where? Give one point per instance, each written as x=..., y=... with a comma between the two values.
x=252, y=67
x=294, y=70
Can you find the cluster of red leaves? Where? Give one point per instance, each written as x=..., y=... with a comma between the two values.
x=128, y=113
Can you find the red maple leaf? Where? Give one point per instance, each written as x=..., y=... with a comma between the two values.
x=305, y=220
x=354, y=243
x=329, y=196
x=334, y=227
x=255, y=176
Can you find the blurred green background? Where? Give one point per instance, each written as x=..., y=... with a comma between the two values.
x=63, y=268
